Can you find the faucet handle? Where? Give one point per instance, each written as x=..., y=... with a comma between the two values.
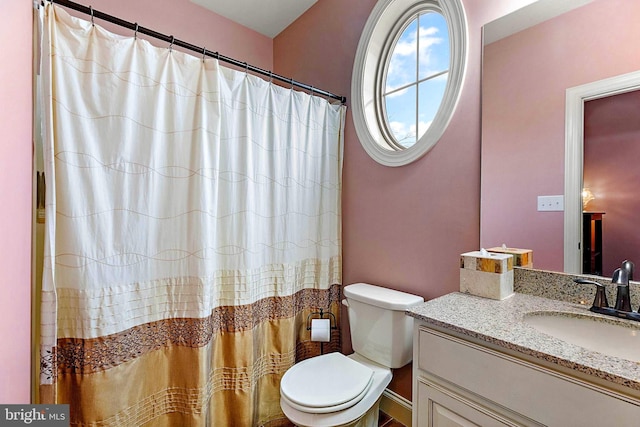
x=600, y=299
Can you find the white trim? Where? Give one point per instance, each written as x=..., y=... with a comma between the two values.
x=376, y=37
x=397, y=407
x=574, y=154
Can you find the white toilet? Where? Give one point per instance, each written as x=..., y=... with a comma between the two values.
x=337, y=390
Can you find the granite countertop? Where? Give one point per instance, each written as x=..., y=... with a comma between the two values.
x=502, y=323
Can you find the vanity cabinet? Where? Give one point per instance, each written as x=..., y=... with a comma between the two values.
x=458, y=382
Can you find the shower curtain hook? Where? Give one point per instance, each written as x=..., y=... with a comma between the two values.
x=291, y=83
x=91, y=12
x=171, y=44
x=270, y=76
x=135, y=33
x=204, y=53
x=311, y=90
x=246, y=68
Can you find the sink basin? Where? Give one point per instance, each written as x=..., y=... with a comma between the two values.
x=606, y=336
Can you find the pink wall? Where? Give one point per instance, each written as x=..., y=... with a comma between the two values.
x=402, y=227
x=185, y=21
x=15, y=196
x=525, y=79
x=612, y=142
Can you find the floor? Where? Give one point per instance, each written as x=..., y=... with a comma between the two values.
x=385, y=420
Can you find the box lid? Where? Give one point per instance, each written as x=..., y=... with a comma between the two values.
x=489, y=262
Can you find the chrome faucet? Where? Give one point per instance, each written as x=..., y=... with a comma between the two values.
x=628, y=267
x=622, y=308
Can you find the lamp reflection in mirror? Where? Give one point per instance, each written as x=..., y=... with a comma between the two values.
x=587, y=196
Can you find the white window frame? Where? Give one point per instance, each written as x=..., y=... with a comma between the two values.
x=374, y=51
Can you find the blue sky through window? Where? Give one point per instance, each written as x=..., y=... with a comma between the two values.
x=416, y=77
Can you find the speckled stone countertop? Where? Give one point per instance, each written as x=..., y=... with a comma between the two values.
x=502, y=323
x=560, y=286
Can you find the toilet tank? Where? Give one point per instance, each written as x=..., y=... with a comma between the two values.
x=380, y=330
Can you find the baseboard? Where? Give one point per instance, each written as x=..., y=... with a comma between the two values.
x=397, y=407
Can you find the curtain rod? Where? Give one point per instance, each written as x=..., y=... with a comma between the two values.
x=173, y=41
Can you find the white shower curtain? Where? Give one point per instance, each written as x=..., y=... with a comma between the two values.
x=192, y=224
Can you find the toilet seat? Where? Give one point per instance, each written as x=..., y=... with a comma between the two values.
x=327, y=383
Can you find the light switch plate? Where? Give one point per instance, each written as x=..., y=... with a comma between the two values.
x=550, y=203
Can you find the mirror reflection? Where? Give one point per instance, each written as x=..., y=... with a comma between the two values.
x=525, y=78
x=610, y=195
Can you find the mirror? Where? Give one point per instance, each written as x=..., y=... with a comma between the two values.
x=528, y=68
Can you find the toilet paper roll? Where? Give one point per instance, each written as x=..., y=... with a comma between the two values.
x=320, y=330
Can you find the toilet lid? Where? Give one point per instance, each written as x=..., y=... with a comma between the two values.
x=329, y=380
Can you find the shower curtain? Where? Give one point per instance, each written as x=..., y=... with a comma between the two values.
x=192, y=226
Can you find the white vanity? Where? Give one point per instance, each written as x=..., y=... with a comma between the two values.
x=480, y=362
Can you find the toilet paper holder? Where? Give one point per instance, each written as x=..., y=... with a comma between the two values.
x=332, y=319
x=332, y=322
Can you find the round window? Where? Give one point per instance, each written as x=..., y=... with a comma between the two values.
x=407, y=77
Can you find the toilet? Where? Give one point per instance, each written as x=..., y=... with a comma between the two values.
x=337, y=390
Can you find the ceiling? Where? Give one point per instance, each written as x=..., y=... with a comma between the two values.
x=268, y=17
x=528, y=16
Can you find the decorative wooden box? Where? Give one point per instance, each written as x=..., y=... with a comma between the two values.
x=521, y=257
x=486, y=274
